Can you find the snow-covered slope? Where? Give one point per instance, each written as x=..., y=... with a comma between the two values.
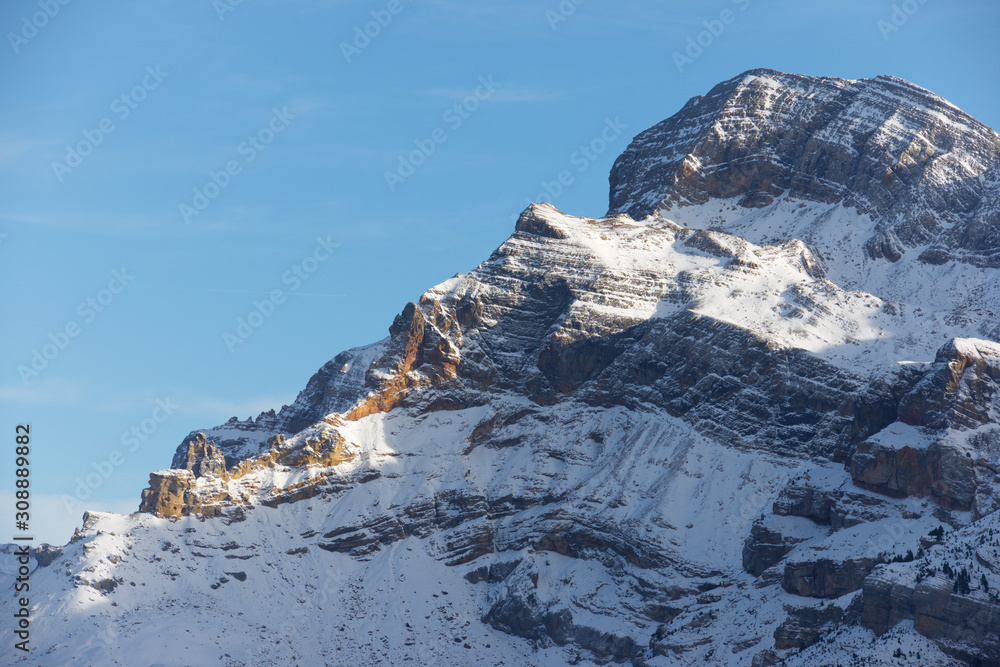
x=642, y=522
x=720, y=425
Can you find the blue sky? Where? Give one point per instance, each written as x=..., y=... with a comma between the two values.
x=278, y=138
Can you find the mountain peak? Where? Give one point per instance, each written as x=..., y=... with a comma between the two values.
x=926, y=172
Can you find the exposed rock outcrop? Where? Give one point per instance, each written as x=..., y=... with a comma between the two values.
x=765, y=547
x=825, y=578
x=957, y=395
x=806, y=502
x=201, y=457
x=172, y=493
x=961, y=391
x=207, y=488
x=936, y=470
x=966, y=627
x=804, y=626
x=521, y=616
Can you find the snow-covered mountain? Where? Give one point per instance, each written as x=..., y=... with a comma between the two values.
x=751, y=415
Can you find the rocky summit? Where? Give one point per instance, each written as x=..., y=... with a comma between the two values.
x=751, y=416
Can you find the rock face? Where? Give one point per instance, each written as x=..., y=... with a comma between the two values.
x=962, y=391
x=204, y=486
x=201, y=457
x=765, y=547
x=934, y=471
x=676, y=434
x=969, y=628
x=804, y=626
x=170, y=493
x=958, y=393
x=521, y=617
x=806, y=502
x=966, y=628
x=826, y=578
x=965, y=622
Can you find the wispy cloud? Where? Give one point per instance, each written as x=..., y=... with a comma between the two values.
x=64, y=393
x=502, y=94
x=12, y=148
x=52, y=391
x=115, y=223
